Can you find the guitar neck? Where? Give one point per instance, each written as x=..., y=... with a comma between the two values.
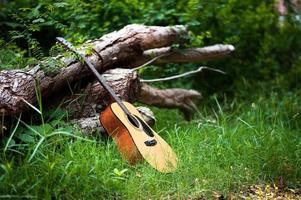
x=100, y=78
x=103, y=82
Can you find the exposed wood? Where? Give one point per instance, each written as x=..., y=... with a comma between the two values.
x=170, y=98
x=115, y=49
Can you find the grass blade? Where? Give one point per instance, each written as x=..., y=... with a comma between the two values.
x=69, y=134
x=36, y=148
x=12, y=134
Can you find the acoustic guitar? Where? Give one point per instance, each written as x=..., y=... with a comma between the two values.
x=133, y=136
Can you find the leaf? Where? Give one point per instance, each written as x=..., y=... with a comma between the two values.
x=46, y=128
x=34, y=27
x=26, y=138
x=17, y=36
x=66, y=129
x=11, y=143
x=55, y=123
x=39, y=20
x=119, y=173
x=39, y=130
x=13, y=24
x=60, y=5
x=35, y=12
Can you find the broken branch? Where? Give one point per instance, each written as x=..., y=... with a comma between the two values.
x=170, y=98
x=169, y=55
x=181, y=75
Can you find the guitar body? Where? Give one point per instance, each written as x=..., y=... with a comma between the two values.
x=136, y=140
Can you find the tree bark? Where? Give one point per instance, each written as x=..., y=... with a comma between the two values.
x=93, y=98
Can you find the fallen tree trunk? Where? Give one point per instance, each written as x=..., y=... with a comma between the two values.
x=127, y=48
x=112, y=50
x=125, y=82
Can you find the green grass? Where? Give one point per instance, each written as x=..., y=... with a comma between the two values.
x=227, y=147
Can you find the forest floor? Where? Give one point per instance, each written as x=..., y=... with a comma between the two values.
x=232, y=149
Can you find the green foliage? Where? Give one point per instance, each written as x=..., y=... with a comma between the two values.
x=11, y=56
x=266, y=50
x=237, y=142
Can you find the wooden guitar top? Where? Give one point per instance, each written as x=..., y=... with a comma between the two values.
x=157, y=153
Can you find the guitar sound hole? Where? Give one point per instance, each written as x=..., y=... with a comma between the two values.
x=133, y=121
x=150, y=143
x=145, y=127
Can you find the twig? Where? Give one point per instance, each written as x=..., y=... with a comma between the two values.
x=32, y=106
x=182, y=75
x=150, y=61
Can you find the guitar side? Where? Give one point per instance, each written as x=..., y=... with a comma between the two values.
x=116, y=129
